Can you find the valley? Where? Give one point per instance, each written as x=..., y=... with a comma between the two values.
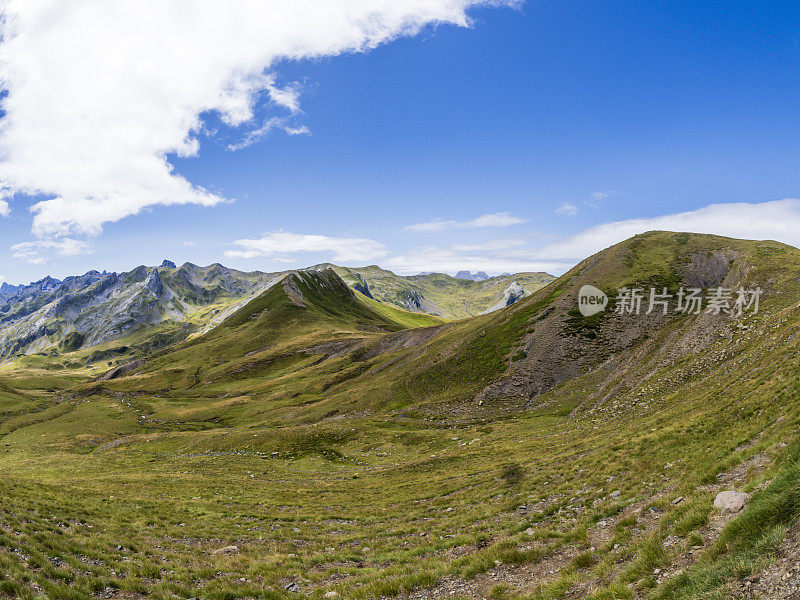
x=333, y=432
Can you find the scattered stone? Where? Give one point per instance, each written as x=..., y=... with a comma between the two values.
x=678, y=500
x=292, y=587
x=530, y=531
x=731, y=501
x=226, y=550
x=331, y=594
x=615, y=494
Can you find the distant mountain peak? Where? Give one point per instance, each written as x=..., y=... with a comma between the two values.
x=479, y=276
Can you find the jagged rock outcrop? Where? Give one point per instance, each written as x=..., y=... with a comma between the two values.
x=97, y=307
x=411, y=300
x=154, y=283
x=361, y=286
x=513, y=293
x=7, y=290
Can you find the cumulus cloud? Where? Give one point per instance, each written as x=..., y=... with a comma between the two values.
x=453, y=259
x=101, y=92
x=778, y=220
x=493, y=256
x=37, y=252
x=567, y=209
x=282, y=246
x=500, y=219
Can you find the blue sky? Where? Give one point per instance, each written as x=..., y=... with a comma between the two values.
x=565, y=121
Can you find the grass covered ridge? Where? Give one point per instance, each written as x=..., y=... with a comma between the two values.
x=336, y=442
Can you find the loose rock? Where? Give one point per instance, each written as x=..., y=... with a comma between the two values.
x=731, y=501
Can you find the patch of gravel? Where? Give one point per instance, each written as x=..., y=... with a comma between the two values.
x=781, y=580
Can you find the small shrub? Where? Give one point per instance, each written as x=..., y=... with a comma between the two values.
x=512, y=473
x=584, y=560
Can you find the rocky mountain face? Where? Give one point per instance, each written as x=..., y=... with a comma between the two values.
x=560, y=344
x=91, y=309
x=513, y=293
x=97, y=307
x=479, y=276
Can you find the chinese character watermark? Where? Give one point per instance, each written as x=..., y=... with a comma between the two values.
x=687, y=301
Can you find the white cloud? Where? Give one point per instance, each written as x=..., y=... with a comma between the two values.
x=567, y=209
x=491, y=245
x=302, y=130
x=100, y=92
x=281, y=245
x=778, y=220
x=251, y=137
x=37, y=252
x=5, y=209
x=600, y=195
x=596, y=198
x=494, y=256
x=500, y=219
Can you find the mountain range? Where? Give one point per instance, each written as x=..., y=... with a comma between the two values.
x=348, y=433
x=95, y=308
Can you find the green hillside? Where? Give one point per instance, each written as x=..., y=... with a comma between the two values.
x=341, y=444
x=437, y=293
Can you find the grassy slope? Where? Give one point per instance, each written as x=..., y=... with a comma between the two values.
x=452, y=298
x=273, y=339
x=106, y=487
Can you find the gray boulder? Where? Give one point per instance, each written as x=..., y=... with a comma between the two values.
x=730, y=501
